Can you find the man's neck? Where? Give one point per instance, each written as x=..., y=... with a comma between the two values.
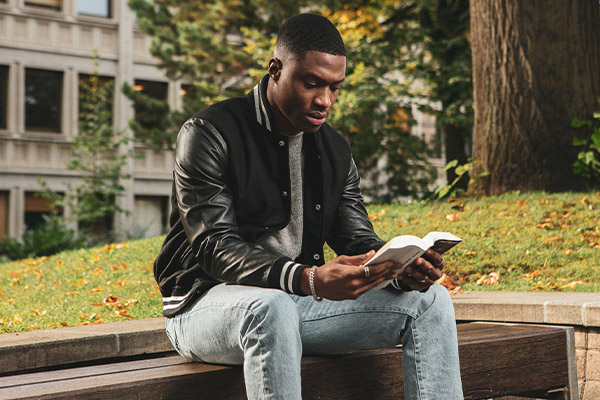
x=282, y=125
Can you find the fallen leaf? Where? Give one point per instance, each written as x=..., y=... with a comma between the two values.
x=114, y=267
x=58, y=262
x=572, y=284
x=97, y=290
x=122, y=265
x=568, y=251
x=97, y=271
x=533, y=274
x=446, y=282
x=470, y=253
x=489, y=279
x=72, y=293
x=38, y=275
x=552, y=239
x=32, y=328
x=453, y=217
x=456, y=291
x=38, y=311
x=119, y=284
x=520, y=203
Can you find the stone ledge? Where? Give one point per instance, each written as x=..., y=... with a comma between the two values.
x=578, y=309
x=38, y=349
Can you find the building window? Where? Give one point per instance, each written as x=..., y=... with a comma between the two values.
x=36, y=208
x=105, y=83
x=49, y=4
x=43, y=100
x=96, y=8
x=150, y=116
x=3, y=96
x=150, y=215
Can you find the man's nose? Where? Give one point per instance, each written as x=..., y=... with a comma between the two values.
x=323, y=98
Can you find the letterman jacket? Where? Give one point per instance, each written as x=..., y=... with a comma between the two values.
x=231, y=184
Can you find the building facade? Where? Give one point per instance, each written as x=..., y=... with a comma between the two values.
x=46, y=48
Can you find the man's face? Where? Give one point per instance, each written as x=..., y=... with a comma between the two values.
x=305, y=91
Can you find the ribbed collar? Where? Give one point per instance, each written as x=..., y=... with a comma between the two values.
x=264, y=116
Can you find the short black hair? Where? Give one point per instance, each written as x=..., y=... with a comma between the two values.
x=306, y=32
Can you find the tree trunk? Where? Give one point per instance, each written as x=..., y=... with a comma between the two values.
x=536, y=65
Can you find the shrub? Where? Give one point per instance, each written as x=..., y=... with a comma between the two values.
x=49, y=238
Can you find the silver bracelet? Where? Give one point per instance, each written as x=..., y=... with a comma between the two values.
x=311, y=282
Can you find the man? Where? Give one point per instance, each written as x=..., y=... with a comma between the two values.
x=260, y=183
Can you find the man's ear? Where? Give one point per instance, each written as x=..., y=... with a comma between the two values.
x=275, y=68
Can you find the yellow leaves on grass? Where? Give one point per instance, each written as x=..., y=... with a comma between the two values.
x=375, y=216
x=38, y=311
x=113, y=246
x=550, y=285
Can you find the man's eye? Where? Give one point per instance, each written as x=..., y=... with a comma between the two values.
x=335, y=88
x=309, y=85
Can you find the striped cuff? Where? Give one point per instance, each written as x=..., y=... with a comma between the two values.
x=286, y=276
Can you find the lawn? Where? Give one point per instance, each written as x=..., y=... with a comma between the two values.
x=522, y=242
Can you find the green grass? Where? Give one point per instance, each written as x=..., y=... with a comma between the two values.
x=533, y=241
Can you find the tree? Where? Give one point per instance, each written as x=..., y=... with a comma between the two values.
x=431, y=37
x=536, y=65
x=221, y=47
x=96, y=159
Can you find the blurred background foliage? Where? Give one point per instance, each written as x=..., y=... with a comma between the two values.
x=402, y=55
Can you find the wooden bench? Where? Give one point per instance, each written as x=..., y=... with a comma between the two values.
x=496, y=360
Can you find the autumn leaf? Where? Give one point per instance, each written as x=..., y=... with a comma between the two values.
x=58, y=262
x=489, y=279
x=552, y=239
x=32, y=328
x=97, y=290
x=446, y=282
x=122, y=264
x=72, y=293
x=114, y=267
x=119, y=284
x=455, y=291
x=38, y=311
x=572, y=285
x=533, y=274
x=97, y=271
x=38, y=275
x=520, y=203
x=453, y=217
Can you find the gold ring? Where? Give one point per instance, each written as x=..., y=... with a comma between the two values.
x=367, y=273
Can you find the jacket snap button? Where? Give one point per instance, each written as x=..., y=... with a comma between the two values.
x=318, y=207
x=316, y=256
x=284, y=193
x=281, y=143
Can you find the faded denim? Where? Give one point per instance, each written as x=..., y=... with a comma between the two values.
x=268, y=330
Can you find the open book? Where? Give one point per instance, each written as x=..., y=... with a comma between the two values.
x=406, y=249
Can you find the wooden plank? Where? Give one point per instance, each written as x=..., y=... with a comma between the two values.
x=496, y=360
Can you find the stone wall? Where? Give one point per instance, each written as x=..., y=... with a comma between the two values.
x=579, y=310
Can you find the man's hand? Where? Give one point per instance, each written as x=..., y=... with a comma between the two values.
x=424, y=272
x=345, y=278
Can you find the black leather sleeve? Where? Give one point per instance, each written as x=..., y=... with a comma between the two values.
x=351, y=232
x=206, y=209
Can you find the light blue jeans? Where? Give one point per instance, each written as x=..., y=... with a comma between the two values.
x=268, y=330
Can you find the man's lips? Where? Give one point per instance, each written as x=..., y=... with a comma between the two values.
x=316, y=118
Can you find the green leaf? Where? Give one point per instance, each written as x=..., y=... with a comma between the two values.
x=579, y=142
x=461, y=169
x=578, y=123
x=451, y=164
x=596, y=139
